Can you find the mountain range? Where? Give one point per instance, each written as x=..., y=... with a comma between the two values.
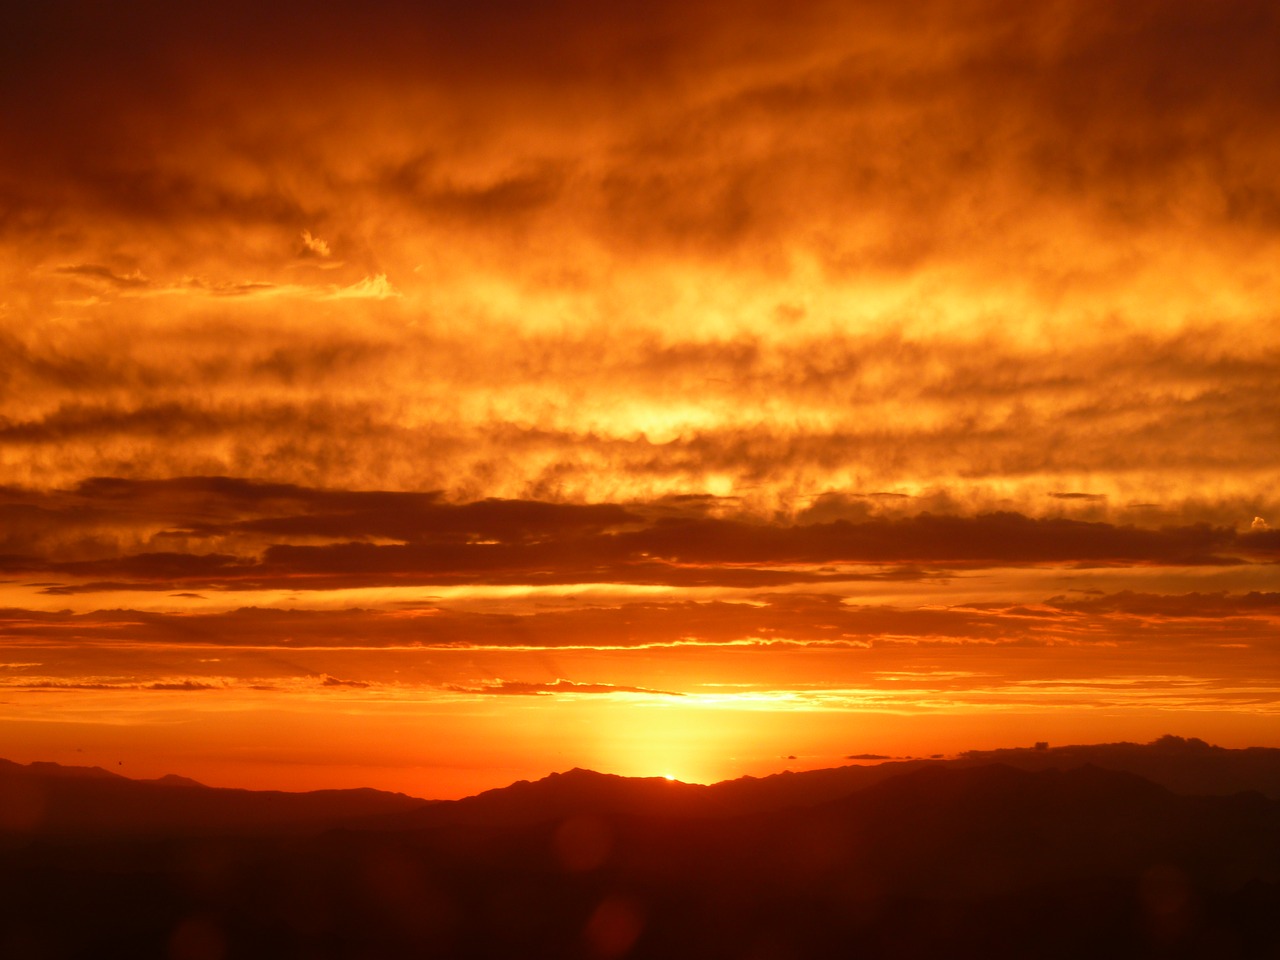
x=1168, y=849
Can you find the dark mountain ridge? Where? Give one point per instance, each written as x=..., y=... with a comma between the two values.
x=1184, y=765
x=921, y=860
x=47, y=799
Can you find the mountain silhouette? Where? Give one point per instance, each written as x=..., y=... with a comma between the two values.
x=1184, y=765
x=925, y=859
x=53, y=800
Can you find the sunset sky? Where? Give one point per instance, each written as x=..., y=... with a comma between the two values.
x=430, y=395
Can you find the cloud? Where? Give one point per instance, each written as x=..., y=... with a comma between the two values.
x=819, y=620
x=314, y=246
x=523, y=688
x=367, y=288
x=504, y=200
x=101, y=517
x=1264, y=544
x=185, y=686
x=370, y=288
x=285, y=536
x=770, y=652
x=96, y=272
x=506, y=418
x=1202, y=605
x=646, y=159
x=329, y=681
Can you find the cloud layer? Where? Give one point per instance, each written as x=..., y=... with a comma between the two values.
x=876, y=338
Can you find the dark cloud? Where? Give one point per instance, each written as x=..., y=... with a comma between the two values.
x=78, y=421
x=329, y=681
x=1057, y=93
x=342, y=514
x=90, y=523
x=410, y=517
x=816, y=620
x=171, y=568
x=1262, y=542
x=181, y=685
x=511, y=541
x=933, y=539
x=103, y=365
x=1201, y=605
x=526, y=689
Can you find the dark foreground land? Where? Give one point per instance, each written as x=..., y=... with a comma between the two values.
x=1025, y=854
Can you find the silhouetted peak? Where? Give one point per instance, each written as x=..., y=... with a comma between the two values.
x=580, y=774
x=45, y=768
x=173, y=780
x=1186, y=765
x=1172, y=744
x=56, y=800
x=570, y=793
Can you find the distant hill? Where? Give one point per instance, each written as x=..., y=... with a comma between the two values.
x=48, y=799
x=1184, y=765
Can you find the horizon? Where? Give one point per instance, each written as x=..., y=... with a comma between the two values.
x=1169, y=744
x=424, y=395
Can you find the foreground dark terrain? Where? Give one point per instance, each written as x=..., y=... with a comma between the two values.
x=1170, y=849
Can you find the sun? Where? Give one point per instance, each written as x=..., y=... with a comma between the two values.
x=668, y=776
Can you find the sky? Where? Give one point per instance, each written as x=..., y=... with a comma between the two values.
x=431, y=395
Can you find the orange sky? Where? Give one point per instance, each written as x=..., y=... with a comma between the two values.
x=425, y=395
